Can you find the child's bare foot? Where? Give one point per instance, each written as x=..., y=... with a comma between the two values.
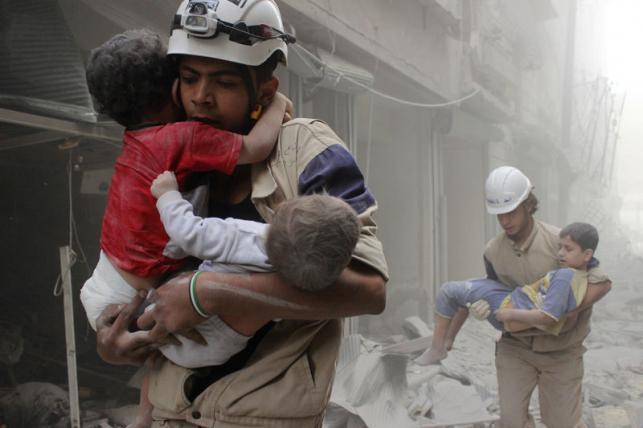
x=431, y=356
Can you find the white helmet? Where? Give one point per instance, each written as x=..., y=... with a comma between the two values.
x=241, y=31
x=505, y=189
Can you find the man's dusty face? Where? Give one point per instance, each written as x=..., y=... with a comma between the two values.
x=515, y=223
x=214, y=90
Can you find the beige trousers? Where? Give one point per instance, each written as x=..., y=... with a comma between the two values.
x=558, y=374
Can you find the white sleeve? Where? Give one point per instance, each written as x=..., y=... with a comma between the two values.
x=231, y=240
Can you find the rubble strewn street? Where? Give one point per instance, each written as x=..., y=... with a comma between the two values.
x=464, y=387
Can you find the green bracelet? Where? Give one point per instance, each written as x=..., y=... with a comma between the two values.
x=193, y=297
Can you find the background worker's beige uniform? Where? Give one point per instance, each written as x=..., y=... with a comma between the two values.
x=288, y=379
x=554, y=363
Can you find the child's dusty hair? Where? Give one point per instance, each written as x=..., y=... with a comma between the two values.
x=584, y=234
x=311, y=240
x=130, y=75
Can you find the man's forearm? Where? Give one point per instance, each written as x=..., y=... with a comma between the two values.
x=595, y=292
x=358, y=291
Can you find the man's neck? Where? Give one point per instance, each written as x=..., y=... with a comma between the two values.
x=521, y=237
x=233, y=189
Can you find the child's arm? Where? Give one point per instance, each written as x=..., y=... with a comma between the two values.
x=258, y=144
x=225, y=241
x=523, y=319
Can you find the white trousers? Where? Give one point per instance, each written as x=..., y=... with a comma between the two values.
x=106, y=286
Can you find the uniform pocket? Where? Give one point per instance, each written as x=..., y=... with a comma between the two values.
x=167, y=387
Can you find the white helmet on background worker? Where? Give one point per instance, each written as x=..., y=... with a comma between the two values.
x=242, y=31
x=505, y=189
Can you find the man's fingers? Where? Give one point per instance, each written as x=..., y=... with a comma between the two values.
x=480, y=309
x=141, y=354
x=170, y=339
x=194, y=335
x=146, y=320
x=108, y=315
x=157, y=333
x=142, y=338
x=126, y=314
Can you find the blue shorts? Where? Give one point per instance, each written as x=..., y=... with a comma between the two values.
x=456, y=294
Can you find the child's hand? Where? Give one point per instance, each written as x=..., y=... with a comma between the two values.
x=503, y=315
x=164, y=183
x=290, y=110
x=282, y=100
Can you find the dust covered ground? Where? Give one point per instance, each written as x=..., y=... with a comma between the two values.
x=380, y=386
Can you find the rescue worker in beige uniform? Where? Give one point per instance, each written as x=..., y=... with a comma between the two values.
x=284, y=377
x=526, y=250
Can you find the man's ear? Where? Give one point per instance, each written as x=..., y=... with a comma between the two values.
x=176, y=94
x=267, y=90
x=588, y=254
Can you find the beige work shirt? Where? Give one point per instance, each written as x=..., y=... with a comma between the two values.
x=518, y=265
x=288, y=379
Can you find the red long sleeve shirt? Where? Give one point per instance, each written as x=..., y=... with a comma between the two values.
x=132, y=233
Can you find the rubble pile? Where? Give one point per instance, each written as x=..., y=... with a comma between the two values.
x=379, y=385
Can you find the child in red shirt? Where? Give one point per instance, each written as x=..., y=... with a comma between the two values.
x=131, y=79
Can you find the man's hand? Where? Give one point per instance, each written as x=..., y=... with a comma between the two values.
x=115, y=343
x=480, y=309
x=570, y=321
x=165, y=182
x=171, y=311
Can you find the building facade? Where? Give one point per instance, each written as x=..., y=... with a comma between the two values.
x=429, y=95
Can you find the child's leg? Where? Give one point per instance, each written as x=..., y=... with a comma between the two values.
x=457, y=322
x=144, y=415
x=437, y=352
x=449, y=300
x=246, y=324
x=224, y=337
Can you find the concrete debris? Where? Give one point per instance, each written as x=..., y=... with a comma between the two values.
x=371, y=385
x=455, y=403
x=35, y=405
x=123, y=415
x=635, y=413
x=417, y=376
x=11, y=343
x=610, y=416
x=601, y=395
x=408, y=347
x=421, y=404
x=338, y=417
x=98, y=423
x=414, y=327
x=383, y=390
x=379, y=385
x=44, y=405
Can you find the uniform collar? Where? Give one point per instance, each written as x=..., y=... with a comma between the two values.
x=263, y=183
x=530, y=239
